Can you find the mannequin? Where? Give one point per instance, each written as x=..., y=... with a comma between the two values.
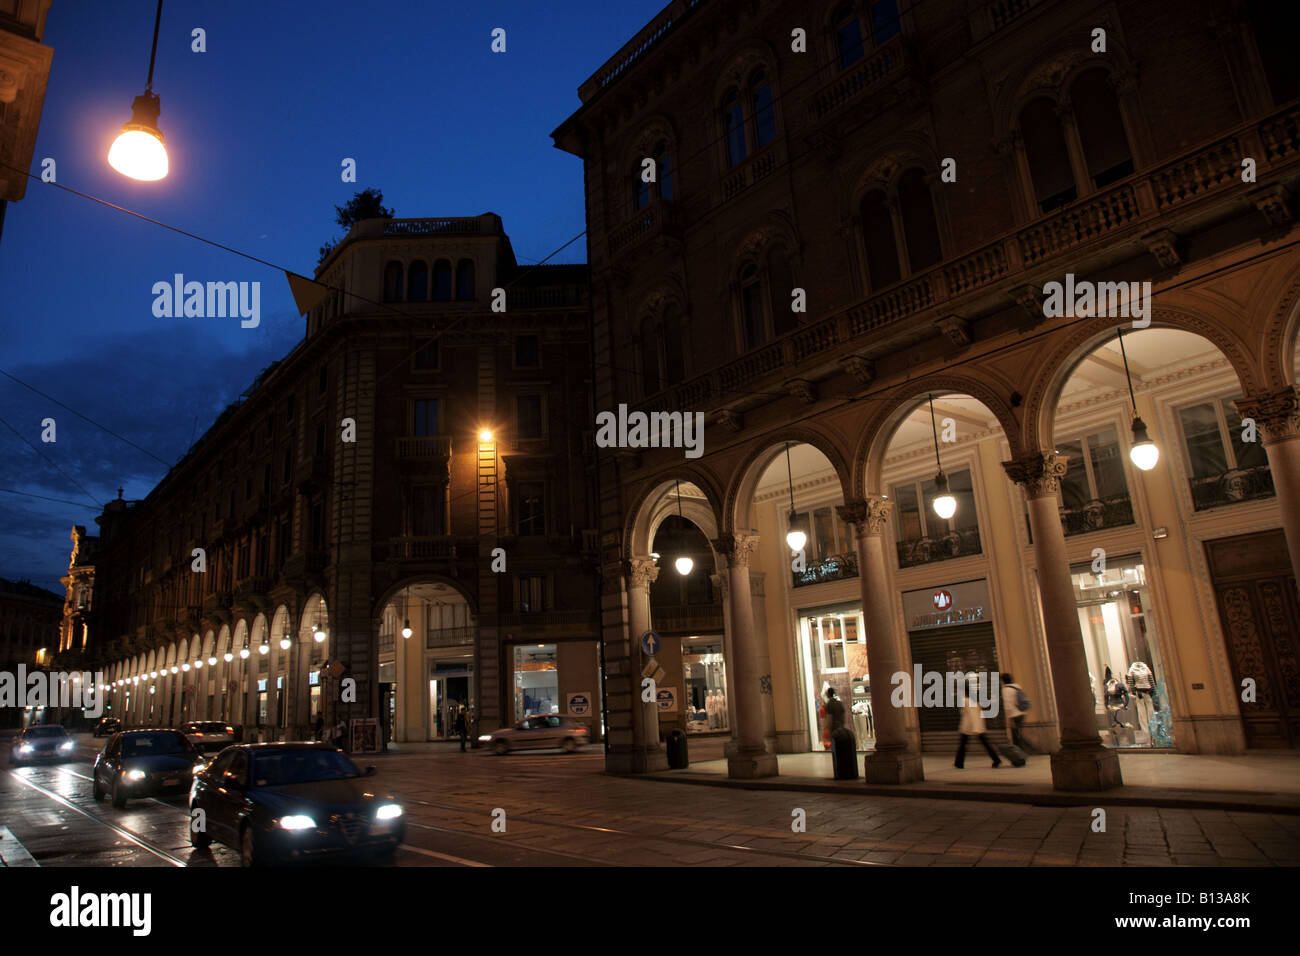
x=722, y=709
x=1143, y=681
x=1117, y=700
x=711, y=709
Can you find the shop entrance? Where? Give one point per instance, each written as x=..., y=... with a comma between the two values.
x=537, y=681
x=834, y=655
x=1256, y=593
x=449, y=690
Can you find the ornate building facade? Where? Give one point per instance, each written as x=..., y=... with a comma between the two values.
x=811, y=221
x=390, y=524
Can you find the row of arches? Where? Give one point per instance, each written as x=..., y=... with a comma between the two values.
x=410, y=282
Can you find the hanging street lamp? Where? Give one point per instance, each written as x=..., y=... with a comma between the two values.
x=138, y=152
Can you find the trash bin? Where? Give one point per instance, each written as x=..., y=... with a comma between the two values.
x=844, y=754
x=677, y=758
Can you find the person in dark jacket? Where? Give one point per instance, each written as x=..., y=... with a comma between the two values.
x=462, y=726
x=834, y=710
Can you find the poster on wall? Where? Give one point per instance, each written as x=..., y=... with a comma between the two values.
x=365, y=735
x=579, y=703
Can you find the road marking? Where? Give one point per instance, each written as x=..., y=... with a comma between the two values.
x=444, y=856
x=12, y=852
x=137, y=840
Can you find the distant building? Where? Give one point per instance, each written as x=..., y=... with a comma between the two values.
x=29, y=631
x=362, y=486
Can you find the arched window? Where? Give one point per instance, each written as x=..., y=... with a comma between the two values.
x=780, y=281
x=848, y=35
x=393, y=282
x=417, y=282
x=878, y=240
x=753, y=323
x=650, y=344
x=733, y=117
x=465, y=280
x=1045, y=150
x=664, y=170
x=884, y=20
x=920, y=230
x=674, y=371
x=442, y=281
x=1101, y=130
x=761, y=104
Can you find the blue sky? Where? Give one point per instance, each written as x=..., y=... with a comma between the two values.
x=256, y=128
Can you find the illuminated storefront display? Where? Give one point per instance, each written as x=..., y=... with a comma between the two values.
x=834, y=655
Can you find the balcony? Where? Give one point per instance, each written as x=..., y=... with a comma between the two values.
x=957, y=544
x=1114, y=218
x=440, y=547
x=449, y=636
x=887, y=63
x=461, y=226
x=423, y=447
x=1232, y=487
x=753, y=170
x=656, y=220
x=686, y=618
x=835, y=567
x=1098, y=515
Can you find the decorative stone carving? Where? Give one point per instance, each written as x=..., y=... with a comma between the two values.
x=1271, y=201
x=641, y=573
x=1276, y=413
x=1040, y=473
x=801, y=389
x=862, y=369
x=1163, y=245
x=867, y=515
x=736, y=548
x=732, y=421
x=1029, y=298
x=956, y=328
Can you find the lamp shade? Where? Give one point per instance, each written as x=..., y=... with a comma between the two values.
x=1144, y=453
x=138, y=152
x=944, y=504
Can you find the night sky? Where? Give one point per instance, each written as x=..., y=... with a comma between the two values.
x=256, y=129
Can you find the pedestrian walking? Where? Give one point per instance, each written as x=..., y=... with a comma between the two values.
x=320, y=727
x=462, y=727
x=340, y=731
x=1015, y=704
x=972, y=725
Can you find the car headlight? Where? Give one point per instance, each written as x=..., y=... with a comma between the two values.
x=389, y=811
x=135, y=775
x=25, y=749
x=66, y=745
x=297, y=821
x=485, y=738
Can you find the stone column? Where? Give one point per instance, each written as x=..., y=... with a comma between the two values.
x=1082, y=763
x=751, y=758
x=1277, y=417
x=648, y=754
x=764, y=659
x=896, y=757
x=728, y=656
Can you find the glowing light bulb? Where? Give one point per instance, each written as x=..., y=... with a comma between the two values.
x=1144, y=453
x=406, y=628
x=684, y=565
x=138, y=152
x=944, y=504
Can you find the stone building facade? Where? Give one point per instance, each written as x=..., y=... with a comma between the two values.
x=389, y=521
x=858, y=208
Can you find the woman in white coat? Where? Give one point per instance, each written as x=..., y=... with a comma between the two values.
x=972, y=724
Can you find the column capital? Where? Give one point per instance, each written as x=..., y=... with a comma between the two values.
x=736, y=548
x=641, y=573
x=1040, y=473
x=1276, y=413
x=867, y=515
x=720, y=582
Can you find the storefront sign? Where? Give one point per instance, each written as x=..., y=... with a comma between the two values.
x=667, y=700
x=965, y=603
x=579, y=704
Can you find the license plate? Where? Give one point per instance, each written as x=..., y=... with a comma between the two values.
x=171, y=781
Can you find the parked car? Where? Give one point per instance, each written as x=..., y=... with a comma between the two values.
x=41, y=742
x=538, y=732
x=107, y=726
x=144, y=763
x=208, y=736
x=282, y=802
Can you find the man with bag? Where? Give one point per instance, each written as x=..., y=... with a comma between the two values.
x=1015, y=704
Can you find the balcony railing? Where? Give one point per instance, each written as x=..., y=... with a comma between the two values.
x=1232, y=487
x=424, y=446
x=1098, y=515
x=448, y=636
x=433, y=227
x=656, y=219
x=885, y=62
x=554, y=297
x=687, y=617
x=422, y=548
x=957, y=544
x=833, y=567
x=1109, y=218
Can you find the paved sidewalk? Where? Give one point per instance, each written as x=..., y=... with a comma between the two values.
x=1267, y=782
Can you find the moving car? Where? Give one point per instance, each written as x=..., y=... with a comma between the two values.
x=537, y=732
x=208, y=736
x=282, y=802
x=144, y=763
x=41, y=742
x=107, y=726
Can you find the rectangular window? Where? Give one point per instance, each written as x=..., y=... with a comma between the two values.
x=320, y=438
x=924, y=537
x=528, y=419
x=530, y=593
x=527, y=351
x=1225, y=469
x=287, y=471
x=318, y=526
x=430, y=512
x=530, y=508
x=426, y=357
x=1094, y=492
x=424, y=417
x=323, y=384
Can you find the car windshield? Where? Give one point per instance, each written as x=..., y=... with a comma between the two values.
x=45, y=732
x=279, y=767
x=208, y=728
x=153, y=745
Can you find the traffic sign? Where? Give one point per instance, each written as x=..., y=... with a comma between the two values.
x=579, y=704
x=650, y=643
